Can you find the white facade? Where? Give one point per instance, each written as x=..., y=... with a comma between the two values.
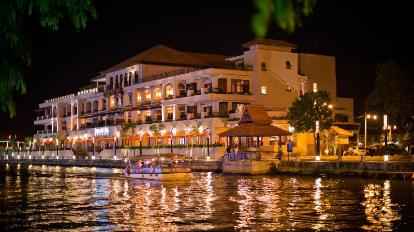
x=193, y=100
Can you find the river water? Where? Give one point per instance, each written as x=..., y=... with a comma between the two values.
x=97, y=199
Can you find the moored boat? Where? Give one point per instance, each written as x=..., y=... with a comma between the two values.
x=159, y=168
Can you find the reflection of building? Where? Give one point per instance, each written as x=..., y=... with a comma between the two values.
x=190, y=94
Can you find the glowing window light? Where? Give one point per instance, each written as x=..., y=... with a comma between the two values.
x=263, y=89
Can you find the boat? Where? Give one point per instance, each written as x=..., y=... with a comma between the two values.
x=159, y=168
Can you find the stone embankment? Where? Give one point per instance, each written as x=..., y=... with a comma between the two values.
x=196, y=165
x=371, y=169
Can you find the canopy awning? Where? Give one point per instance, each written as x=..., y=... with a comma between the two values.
x=254, y=130
x=340, y=131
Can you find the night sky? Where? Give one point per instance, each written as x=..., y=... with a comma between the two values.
x=359, y=33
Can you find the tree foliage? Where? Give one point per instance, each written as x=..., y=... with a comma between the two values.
x=287, y=14
x=308, y=109
x=394, y=95
x=156, y=128
x=15, y=44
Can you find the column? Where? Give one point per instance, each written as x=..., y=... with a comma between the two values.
x=175, y=113
x=163, y=113
x=215, y=107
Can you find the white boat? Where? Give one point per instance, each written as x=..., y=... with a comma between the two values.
x=164, y=172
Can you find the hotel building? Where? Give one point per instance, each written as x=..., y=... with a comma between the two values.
x=166, y=96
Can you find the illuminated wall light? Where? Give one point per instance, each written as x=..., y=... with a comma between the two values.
x=386, y=158
x=162, y=131
x=317, y=158
x=74, y=157
x=315, y=87
x=263, y=89
x=93, y=157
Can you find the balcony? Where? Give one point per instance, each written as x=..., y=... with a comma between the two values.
x=49, y=131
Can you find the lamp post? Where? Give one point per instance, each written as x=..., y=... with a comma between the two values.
x=317, y=148
x=93, y=147
x=385, y=136
x=208, y=143
x=367, y=116
x=57, y=148
x=140, y=141
x=114, y=146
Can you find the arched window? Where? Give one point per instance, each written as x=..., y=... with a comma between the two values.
x=264, y=66
x=169, y=91
x=111, y=83
x=181, y=89
x=130, y=78
x=95, y=106
x=104, y=104
x=157, y=94
x=116, y=82
x=147, y=94
x=125, y=79
x=88, y=107
x=136, y=78
x=75, y=109
x=139, y=98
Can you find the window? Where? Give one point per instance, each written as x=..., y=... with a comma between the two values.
x=288, y=65
x=125, y=79
x=129, y=98
x=136, y=80
x=263, y=89
x=111, y=101
x=139, y=98
x=169, y=91
x=264, y=66
x=239, y=86
x=116, y=81
x=111, y=83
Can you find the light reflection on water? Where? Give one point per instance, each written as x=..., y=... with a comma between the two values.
x=84, y=199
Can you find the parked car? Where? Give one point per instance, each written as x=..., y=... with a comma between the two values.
x=379, y=149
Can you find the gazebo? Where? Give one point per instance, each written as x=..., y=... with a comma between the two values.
x=254, y=123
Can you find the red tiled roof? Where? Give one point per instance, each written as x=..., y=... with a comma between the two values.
x=270, y=42
x=162, y=54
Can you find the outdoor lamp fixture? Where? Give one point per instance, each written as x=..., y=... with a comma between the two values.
x=171, y=139
x=140, y=141
x=115, y=157
x=367, y=116
x=57, y=148
x=208, y=143
x=318, y=148
x=385, y=137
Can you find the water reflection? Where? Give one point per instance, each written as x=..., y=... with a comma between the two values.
x=84, y=199
x=379, y=210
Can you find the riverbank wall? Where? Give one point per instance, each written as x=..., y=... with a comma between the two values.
x=371, y=169
x=195, y=165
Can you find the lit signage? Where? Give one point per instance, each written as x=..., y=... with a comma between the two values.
x=103, y=131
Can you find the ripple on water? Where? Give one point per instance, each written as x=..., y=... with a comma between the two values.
x=84, y=199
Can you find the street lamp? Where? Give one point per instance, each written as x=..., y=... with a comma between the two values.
x=171, y=140
x=208, y=143
x=385, y=137
x=93, y=148
x=57, y=148
x=140, y=141
x=367, y=116
x=318, y=148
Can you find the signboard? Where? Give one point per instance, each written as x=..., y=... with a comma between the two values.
x=102, y=131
